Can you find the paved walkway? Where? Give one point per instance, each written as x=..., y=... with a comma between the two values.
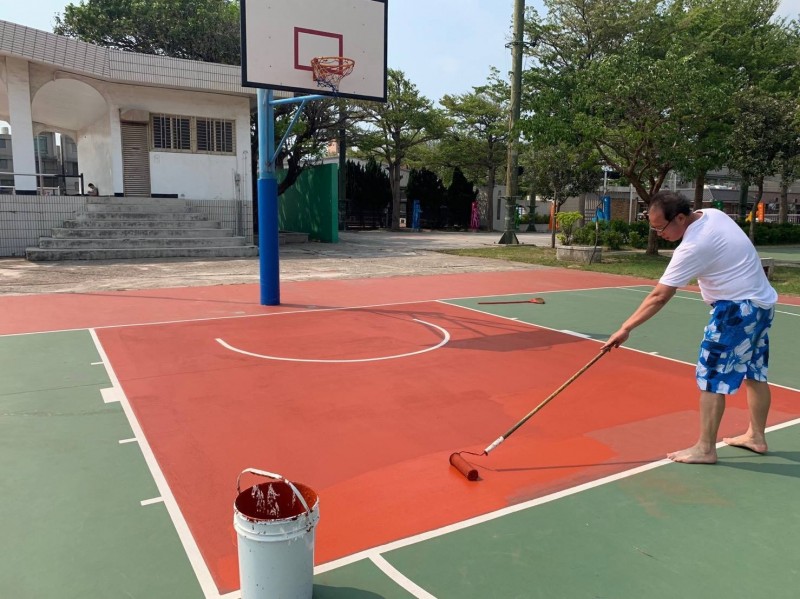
x=362, y=254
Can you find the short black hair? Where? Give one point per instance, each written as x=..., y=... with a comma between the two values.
x=672, y=204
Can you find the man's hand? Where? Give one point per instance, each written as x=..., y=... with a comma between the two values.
x=617, y=339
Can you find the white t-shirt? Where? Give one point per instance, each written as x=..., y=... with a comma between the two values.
x=716, y=252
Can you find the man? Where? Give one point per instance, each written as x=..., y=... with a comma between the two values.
x=735, y=345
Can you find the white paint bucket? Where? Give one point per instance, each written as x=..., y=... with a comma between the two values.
x=275, y=523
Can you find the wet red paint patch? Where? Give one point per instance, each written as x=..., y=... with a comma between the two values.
x=361, y=434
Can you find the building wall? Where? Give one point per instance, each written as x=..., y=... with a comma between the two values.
x=95, y=155
x=95, y=126
x=199, y=176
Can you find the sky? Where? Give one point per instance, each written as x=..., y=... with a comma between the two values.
x=442, y=46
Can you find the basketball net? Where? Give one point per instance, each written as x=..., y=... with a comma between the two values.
x=330, y=70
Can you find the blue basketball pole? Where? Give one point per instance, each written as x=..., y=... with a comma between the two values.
x=268, y=237
x=268, y=234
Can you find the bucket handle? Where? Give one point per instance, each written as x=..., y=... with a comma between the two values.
x=266, y=474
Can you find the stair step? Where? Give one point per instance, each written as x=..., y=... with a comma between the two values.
x=139, y=228
x=36, y=254
x=151, y=233
x=146, y=208
x=141, y=224
x=178, y=203
x=158, y=242
x=139, y=215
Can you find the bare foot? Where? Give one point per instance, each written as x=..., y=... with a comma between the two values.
x=746, y=441
x=694, y=455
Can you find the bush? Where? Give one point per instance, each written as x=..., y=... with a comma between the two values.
x=773, y=233
x=584, y=235
x=614, y=240
x=636, y=241
x=567, y=222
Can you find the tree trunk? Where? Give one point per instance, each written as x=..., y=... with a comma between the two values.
x=754, y=211
x=491, y=178
x=699, y=188
x=394, y=178
x=783, y=203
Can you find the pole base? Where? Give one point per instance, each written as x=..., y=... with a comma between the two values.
x=509, y=238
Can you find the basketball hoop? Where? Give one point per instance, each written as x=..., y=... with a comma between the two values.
x=330, y=70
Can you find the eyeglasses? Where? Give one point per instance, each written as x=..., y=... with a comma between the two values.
x=661, y=229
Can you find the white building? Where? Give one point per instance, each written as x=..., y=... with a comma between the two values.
x=142, y=125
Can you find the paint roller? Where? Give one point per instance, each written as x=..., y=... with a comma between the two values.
x=469, y=471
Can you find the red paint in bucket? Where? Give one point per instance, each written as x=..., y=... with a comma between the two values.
x=274, y=501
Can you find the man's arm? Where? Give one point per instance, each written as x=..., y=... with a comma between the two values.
x=655, y=300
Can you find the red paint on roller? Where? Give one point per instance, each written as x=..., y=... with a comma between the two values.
x=463, y=466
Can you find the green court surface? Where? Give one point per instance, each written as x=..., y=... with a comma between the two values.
x=83, y=517
x=781, y=253
x=71, y=518
x=674, y=333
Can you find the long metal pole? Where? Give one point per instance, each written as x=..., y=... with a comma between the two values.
x=268, y=237
x=512, y=186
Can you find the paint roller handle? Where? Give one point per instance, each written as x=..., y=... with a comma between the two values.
x=494, y=444
x=528, y=416
x=266, y=474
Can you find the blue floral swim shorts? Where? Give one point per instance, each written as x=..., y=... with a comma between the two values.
x=735, y=345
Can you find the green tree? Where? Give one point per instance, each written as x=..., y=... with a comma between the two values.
x=561, y=171
x=206, y=30
x=754, y=144
x=460, y=195
x=317, y=125
x=368, y=192
x=634, y=79
x=476, y=141
x=424, y=185
x=389, y=131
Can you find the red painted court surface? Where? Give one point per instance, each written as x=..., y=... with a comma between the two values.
x=362, y=389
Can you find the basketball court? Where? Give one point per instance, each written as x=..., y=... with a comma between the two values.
x=128, y=416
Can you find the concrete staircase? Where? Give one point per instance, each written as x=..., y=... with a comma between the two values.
x=118, y=228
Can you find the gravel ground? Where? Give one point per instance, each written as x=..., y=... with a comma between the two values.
x=363, y=254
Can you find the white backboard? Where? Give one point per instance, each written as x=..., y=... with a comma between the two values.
x=280, y=37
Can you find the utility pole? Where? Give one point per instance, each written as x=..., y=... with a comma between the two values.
x=512, y=174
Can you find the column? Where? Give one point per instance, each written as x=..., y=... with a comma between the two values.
x=19, y=108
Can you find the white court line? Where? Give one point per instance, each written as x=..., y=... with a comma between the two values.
x=361, y=307
x=399, y=544
x=199, y=566
x=445, y=339
x=305, y=311
x=152, y=501
x=96, y=364
x=399, y=578
x=109, y=395
x=622, y=347
x=574, y=334
x=131, y=440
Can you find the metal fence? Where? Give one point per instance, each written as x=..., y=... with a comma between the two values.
x=26, y=218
